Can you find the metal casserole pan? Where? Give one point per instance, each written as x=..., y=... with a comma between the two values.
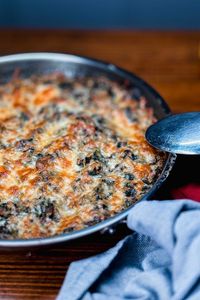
x=73, y=66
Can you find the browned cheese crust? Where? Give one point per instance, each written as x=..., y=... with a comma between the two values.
x=72, y=153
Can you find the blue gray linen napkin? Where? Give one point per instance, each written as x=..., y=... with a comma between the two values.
x=160, y=260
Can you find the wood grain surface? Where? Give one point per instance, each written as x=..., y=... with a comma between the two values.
x=170, y=61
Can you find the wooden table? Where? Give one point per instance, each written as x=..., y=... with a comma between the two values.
x=170, y=61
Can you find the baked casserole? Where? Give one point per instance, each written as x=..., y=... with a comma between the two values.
x=72, y=153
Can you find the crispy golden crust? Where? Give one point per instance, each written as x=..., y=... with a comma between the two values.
x=72, y=153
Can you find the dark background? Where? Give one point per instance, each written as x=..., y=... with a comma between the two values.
x=100, y=14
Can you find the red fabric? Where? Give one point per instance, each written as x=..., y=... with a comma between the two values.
x=189, y=191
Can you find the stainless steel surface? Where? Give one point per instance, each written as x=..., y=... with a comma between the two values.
x=73, y=66
x=176, y=133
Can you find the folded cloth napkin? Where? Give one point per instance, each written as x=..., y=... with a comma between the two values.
x=160, y=260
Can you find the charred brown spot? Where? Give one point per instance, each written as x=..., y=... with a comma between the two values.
x=24, y=144
x=95, y=171
x=130, y=154
x=5, y=210
x=44, y=161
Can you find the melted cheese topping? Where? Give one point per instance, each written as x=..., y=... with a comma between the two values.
x=72, y=153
